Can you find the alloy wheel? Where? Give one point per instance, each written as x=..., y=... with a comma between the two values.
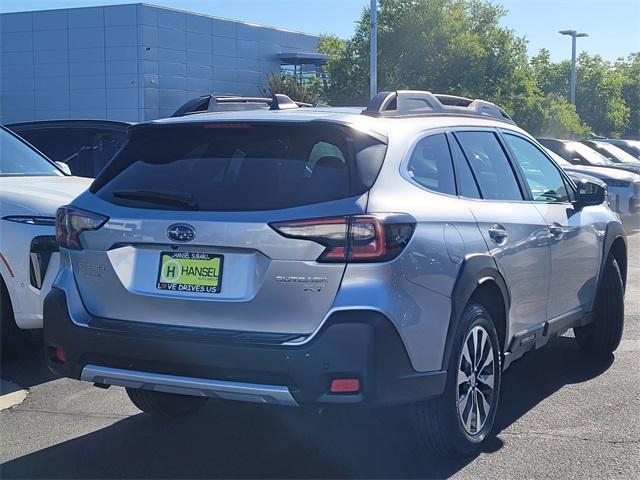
x=476, y=377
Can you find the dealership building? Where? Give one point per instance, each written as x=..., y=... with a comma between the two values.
x=136, y=62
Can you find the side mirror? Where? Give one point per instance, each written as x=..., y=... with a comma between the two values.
x=590, y=193
x=64, y=167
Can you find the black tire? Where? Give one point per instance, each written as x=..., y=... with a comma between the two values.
x=12, y=339
x=160, y=404
x=439, y=423
x=604, y=334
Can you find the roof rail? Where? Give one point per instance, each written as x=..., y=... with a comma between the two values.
x=216, y=103
x=403, y=103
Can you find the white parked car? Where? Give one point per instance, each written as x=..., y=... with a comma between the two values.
x=623, y=186
x=31, y=189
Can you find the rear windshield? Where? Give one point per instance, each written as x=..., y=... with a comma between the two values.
x=240, y=167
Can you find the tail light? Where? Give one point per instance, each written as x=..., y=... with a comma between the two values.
x=353, y=238
x=71, y=222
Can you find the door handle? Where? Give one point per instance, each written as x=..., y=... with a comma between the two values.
x=556, y=230
x=498, y=233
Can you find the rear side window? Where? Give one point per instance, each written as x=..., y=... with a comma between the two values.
x=490, y=165
x=430, y=164
x=240, y=167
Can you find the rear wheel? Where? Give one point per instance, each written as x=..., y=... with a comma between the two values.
x=162, y=404
x=604, y=334
x=12, y=339
x=460, y=420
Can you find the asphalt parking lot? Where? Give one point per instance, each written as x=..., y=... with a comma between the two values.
x=562, y=415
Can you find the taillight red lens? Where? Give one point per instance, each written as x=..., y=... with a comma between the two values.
x=367, y=238
x=330, y=232
x=354, y=238
x=71, y=222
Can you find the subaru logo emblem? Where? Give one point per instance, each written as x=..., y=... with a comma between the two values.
x=180, y=232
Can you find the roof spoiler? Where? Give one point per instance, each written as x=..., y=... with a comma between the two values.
x=402, y=103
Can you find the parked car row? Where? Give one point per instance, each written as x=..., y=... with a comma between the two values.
x=623, y=187
x=400, y=255
x=618, y=168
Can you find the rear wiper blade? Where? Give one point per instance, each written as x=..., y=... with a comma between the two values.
x=159, y=197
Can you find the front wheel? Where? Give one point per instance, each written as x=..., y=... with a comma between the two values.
x=460, y=420
x=160, y=404
x=604, y=334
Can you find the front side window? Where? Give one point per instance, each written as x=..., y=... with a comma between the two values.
x=615, y=154
x=430, y=164
x=17, y=159
x=557, y=158
x=490, y=165
x=545, y=181
x=586, y=154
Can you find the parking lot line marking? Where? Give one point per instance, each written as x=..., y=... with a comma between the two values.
x=12, y=399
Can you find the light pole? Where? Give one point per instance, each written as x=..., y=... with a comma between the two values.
x=573, y=34
x=373, y=54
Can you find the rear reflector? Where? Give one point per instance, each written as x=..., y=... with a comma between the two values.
x=345, y=385
x=57, y=354
x=353, y=238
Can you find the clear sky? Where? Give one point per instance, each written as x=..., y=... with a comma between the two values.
x=613, y=25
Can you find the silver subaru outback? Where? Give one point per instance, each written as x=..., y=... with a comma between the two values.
x=404, y=254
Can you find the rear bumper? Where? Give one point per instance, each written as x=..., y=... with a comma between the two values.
x=354, y=344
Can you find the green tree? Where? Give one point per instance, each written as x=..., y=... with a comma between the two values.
x=630, y=70
x=448, y=46
x=331, y=45
x=289, y=86
x=551, y=78
x=458, y=47
x=547, y=116
x=599, y=96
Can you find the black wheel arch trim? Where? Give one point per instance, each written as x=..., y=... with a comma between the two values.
x=476, y=270
x=615, y=231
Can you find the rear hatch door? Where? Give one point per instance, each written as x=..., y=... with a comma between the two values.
x=189, y=242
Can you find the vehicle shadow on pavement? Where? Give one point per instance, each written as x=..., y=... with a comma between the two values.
x=241, y=441
x=539, y=374
x=27, y=369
